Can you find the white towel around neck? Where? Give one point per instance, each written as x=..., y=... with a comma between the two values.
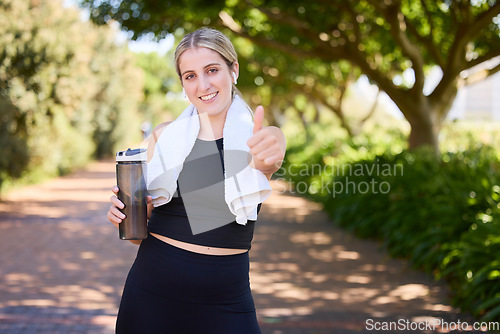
x=244, y=186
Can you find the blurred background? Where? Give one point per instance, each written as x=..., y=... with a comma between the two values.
x=391, y=109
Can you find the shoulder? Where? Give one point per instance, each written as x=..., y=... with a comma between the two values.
x=154, y=138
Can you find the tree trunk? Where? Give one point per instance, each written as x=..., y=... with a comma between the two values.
x=424, y=120
x=427, y=114
x=423, y=133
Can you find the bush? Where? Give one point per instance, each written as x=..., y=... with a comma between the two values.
x=68, y=92
x=442, y=214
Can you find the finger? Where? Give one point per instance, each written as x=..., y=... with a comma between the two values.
x=116, y=202
x=258, y=119
x=117, y=213
x=115, y=189
x=261, y=144
x=266, y=153
x=259, y=137
x=254, y=140
x=111, y=218
x=268, y=157
x=274, y=161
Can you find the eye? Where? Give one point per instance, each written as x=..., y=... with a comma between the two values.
x=189, y=76
x=213, y=70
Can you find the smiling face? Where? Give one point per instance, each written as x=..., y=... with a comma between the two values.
x=207, y=80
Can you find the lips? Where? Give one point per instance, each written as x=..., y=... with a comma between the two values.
x=209, y=96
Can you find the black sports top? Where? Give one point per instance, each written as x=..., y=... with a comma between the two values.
x=198, y=213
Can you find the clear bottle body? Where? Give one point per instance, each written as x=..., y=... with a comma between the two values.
x=132, y=192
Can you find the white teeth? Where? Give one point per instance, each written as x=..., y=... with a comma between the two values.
x=208, y=97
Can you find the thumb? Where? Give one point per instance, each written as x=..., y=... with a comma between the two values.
x=258, y=119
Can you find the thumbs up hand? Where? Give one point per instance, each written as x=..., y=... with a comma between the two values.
x=267, y=145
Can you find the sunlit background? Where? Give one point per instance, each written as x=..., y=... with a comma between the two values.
x=387, y=205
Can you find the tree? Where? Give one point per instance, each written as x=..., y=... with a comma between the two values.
x=68, y=92
x=162, y=89
x=386, y=40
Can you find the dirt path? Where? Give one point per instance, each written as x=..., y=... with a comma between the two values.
x=62, y=267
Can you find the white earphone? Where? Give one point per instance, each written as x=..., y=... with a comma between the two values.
x=234, y=78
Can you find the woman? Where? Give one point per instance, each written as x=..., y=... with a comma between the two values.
x=191, y=273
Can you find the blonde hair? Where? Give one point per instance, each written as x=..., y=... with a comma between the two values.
x=211, y=39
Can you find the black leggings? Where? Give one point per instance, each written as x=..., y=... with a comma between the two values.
x=174, y=291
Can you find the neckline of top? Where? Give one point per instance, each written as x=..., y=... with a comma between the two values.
x=209, y=141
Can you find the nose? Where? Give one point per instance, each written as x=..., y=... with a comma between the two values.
x=204, y=83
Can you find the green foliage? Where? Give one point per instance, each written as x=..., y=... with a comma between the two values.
x=442, y=214
x=68, y=92
x=163, y=98
x=297, y=47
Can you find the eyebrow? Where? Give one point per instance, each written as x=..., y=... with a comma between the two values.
x=208, y=65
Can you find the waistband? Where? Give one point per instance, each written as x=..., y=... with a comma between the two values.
x=175, y=273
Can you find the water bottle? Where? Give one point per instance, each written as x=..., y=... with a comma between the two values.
x=130, y=168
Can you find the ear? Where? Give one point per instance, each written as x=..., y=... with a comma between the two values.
x=236, y=71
